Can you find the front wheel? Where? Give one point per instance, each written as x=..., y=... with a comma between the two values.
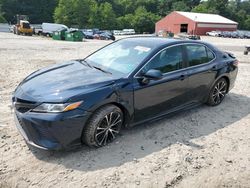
x=218, y=92
x=103, y=127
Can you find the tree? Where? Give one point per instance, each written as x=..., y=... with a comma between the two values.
x=64, y=12
x=204, y=8
x=38, y=11
x=74, y=12
x=108, y=17
x=144, y=21
x=247, y=23
x=2, y=19
x=165, y=7
x=218, y=5
x=236, y=10
x=113, y=14
x=94, y=20
x=180, y=6
x=125, y=21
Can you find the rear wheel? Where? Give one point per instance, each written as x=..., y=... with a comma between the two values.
x=218, y=92
x=103, y=127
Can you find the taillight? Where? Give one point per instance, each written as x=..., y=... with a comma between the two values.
x=236, y=63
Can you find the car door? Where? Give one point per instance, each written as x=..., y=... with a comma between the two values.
x=160, y=96
x=201, y=70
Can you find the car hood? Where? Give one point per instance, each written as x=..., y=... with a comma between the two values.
x=60, y=82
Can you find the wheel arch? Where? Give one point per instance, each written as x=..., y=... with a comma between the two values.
x=124, y=110
x=226, y=78
x=228, y=82
x=219, y=77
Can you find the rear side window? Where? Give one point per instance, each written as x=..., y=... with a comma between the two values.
x=198, y=54
x=210, y=55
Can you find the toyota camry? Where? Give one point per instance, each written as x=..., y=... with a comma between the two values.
x=127, y=82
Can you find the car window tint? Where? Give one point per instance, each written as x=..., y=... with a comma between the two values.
x=166, y=61
x=197, y=54
x=121, y=57
x=210, y=55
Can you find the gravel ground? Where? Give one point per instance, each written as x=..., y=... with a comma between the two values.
x=203, y=147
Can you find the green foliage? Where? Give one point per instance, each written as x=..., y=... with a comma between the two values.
x=38, y=11
x=165, y=7
x=143, y=20
x=106, y=18
x=204, y=8
x=180, y=6
x=119, y=14
x=74, y=12
x=2, y=19
x=236, y=10
x=125, y=21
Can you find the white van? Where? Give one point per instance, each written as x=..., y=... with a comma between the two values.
x=118, y=32
x=128, y=31
x=49, y=28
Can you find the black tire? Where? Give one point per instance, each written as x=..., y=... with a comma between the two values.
x=218, y=92
x=245, y=52
x=103, y=126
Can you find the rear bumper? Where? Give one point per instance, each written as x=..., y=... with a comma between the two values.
x=51, y=131
x=232, y=77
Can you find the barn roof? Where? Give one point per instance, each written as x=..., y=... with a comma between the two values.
x=206, y=18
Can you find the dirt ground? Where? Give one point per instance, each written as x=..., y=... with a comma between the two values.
x=203, y=147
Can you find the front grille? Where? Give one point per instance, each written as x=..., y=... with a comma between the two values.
x=19, y=120
x=23, y=106
x=43, y=131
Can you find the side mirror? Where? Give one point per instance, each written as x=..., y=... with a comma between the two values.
x=153, y=74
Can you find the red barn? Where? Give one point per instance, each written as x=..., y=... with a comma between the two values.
x=194, y=23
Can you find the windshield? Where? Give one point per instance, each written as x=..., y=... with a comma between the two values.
x=26, y=25
x=120, y=57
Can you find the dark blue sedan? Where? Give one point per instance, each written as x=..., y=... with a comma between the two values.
x=127, y=82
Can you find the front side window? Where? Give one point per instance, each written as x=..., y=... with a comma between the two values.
x=198, y=54
x=168, y=60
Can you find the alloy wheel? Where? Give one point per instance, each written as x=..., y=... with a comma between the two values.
x=108, y=128
x=219, y=92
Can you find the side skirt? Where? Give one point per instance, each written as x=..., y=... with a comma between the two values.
x=167, y=113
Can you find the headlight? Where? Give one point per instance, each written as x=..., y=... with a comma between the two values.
x=54, y=108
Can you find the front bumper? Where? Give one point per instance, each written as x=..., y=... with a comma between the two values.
x=52, y=131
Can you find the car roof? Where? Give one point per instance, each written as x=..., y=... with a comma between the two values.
x=161, y=42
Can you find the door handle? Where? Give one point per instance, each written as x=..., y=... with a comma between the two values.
x=183, y=77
